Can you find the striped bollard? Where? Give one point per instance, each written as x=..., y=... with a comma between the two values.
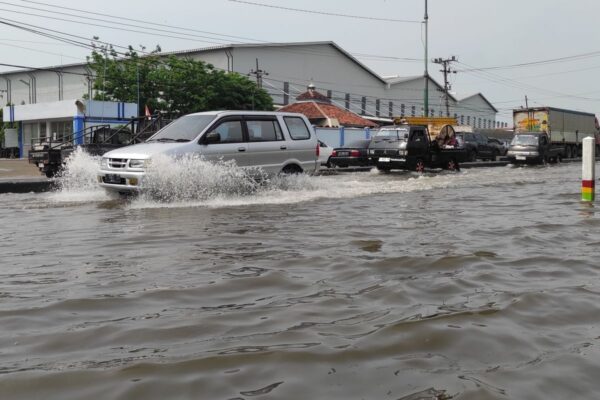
x=588, y=170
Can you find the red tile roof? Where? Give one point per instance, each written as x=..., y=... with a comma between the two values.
x=314, y=111
x=312, y=94
x=319, y=107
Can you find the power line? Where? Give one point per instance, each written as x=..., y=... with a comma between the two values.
x=153, y=23
x=108, y=21
x=42, y=69
x=90, y=46
x=540, y=62
x=330, y=14
x=192, y=37
x=110, y=27
x=519, y=85
x=40, y=51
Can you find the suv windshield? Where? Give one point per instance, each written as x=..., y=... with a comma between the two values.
x=525, y=140
x=183, y=129
x=396, y=134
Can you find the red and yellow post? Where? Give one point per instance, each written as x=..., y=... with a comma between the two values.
x=588, y=169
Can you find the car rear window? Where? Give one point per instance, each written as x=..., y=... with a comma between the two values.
x=297, y=128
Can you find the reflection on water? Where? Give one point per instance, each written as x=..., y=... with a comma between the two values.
x=476, y=285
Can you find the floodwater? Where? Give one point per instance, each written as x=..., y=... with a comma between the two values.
x=474, y=285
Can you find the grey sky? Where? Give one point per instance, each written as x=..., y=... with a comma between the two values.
x=481, y=33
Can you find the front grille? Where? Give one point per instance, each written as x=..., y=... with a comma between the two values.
x=114, y=180
x=385, y=152
x=117, y=163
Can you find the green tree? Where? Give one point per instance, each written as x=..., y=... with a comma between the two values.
x=172, y=85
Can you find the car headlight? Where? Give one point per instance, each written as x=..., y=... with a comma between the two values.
x=104, y=163
x=137, y=163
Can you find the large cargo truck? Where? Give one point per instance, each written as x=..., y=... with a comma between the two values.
x=565, y=128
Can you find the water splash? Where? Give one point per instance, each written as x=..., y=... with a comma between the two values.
x=77, y=182
x=191, y=181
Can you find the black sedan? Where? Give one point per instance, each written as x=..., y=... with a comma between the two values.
x=355, y=154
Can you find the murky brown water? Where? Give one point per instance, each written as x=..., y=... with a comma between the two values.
x=479, y=285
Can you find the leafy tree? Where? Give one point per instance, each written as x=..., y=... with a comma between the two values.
x=172, y=85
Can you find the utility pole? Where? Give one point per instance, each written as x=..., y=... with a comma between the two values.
x=426, y=94
x=259, y=73
x=446, y=69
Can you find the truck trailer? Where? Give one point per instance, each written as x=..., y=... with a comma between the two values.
x=565, y=128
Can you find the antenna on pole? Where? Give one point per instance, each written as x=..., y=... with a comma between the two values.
x=446, y=69
x=259, y=73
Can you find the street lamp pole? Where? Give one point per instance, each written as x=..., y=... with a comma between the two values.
x=426, y=94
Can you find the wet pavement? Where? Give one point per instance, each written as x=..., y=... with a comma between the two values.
x=481, y=284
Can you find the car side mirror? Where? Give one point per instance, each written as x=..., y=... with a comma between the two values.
x=212, y=137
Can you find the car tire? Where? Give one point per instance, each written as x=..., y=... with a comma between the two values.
x=420, y=165
x=473, y=156
x=291, y=169
x=452, y=165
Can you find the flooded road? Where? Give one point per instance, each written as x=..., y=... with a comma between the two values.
x=476, y=285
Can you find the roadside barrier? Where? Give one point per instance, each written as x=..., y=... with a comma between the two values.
x=588, y=169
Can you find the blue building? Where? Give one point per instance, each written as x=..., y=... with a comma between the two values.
x=59, y=120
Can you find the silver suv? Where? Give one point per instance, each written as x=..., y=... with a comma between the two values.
x=272, y=141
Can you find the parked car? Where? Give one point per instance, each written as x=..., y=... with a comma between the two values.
x=477, y=145
x=324, y=154
x=273, y=141
x=498, y=145
x=355, y=154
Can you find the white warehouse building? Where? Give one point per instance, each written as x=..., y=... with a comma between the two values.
x=291, y=67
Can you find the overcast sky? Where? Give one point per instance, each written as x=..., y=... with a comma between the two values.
x=480, y=33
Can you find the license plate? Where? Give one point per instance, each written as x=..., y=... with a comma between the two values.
x=521, y=157
x=384, y=159
x=112, y=178
x=41, y=165
x=343, y=153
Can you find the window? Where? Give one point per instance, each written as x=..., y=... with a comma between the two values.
x=61, y=130
x=230, y=131
x=418, y=136
x=43, y=131
x=468, y=120
x=402, y=109
x=413, y=111
x=297, y=128
x=185, y=128
x=462, y=119
x=264, y=131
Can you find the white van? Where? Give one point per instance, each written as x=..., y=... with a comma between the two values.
x=276, y=142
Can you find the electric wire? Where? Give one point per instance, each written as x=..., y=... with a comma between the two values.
x=329, y=14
